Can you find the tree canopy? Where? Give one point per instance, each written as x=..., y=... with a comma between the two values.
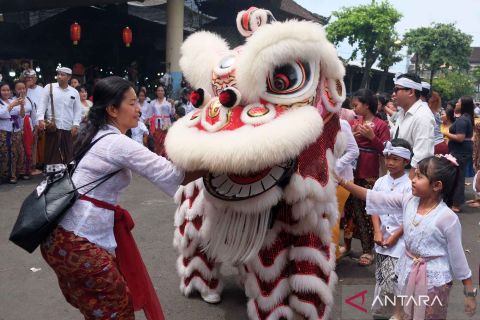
x=439, y=46
x=453, y=85
x=369, y=28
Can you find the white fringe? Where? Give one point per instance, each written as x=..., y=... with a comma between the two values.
x=236, y=237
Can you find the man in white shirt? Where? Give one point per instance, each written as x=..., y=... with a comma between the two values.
x=34, y=93
x=67, y=114
x=415, y=122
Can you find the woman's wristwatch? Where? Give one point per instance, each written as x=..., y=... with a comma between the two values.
x=472, y=293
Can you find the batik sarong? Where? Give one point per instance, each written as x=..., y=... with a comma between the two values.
x=385, y=284
x=88, y=276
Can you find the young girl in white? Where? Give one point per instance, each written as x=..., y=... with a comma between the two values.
x=433, y=254
x=388, y=224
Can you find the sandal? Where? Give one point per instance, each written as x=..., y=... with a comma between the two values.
x=365, y=259
x=474, y=204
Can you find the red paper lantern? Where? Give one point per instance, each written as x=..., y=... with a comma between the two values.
x=75, y=32
x=127, y=36
x=78, y=69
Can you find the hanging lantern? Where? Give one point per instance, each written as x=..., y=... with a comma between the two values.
x=127, y=36
x=75, y=32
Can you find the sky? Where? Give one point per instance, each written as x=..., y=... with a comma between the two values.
x=416, y=13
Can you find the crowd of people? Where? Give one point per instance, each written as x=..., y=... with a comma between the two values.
x=401, y=178
x=38, y=125
x=401, y=189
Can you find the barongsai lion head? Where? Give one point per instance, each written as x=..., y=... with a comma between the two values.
x=260, y=107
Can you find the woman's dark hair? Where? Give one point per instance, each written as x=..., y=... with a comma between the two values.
x=450, y=113
x=405, y=144
x=367, y=97
x=346, y=104
x=435, y=101
x=19, y=81
x=141, y=90
x=467, y=107
x=76, y=78
x=5, y=84
x=108, y=91
x=382, y=99
x=437, y=168
x=80, y=87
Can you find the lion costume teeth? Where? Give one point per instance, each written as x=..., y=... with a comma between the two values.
x=268, y=133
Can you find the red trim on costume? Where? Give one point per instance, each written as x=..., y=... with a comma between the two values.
x=212, y=284
x=246, y=18
x=186, y=260
x=314, y=300
x=266, y=287
x=262, y=315
x=130, y=262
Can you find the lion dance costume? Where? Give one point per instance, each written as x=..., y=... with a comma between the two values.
x=267, y=132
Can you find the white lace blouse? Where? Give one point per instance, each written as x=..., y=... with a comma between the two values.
x=114, y=152
x=439, y=234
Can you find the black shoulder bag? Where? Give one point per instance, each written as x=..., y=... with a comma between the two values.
x=42, y=210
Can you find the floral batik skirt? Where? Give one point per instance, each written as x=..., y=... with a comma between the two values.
x=358, y=224
x=12, y=154
x=88, y=276
x=385, y=284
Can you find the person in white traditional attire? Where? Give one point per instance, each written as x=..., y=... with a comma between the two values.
x=12, y=153
x=86, y=104
x=415, y=122
x=28, y=124
x=388, y=225
x=92, y=251
x=162, y=113
x=145, y=108
x=66, y=115
x=34, y=93
x=433, y=256
x=344, y=168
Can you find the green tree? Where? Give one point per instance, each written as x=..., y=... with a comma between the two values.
x=389, y=55
x=438, y=46
x=453, y=85
x=476, y=75
x=366, y=27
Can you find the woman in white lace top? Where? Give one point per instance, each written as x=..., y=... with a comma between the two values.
x=433, y=254
x=98, y=266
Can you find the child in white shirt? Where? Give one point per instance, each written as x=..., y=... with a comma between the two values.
x=388, y=229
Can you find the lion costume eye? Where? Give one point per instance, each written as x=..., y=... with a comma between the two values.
x=288, y=78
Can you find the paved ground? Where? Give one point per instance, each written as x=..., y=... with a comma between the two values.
x=29, y=295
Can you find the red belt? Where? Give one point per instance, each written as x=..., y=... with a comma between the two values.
x=27, y=136
x=130, y=262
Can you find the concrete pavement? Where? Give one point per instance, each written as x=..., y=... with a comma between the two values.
x=29, y=295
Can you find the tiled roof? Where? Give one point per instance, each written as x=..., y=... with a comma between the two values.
x=294, y=8
x=475, y=56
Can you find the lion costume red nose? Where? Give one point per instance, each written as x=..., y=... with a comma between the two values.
x=229, y=97
x=197, y=97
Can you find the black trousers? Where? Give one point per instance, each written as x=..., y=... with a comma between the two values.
x=459, y=189
x=58, y=147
